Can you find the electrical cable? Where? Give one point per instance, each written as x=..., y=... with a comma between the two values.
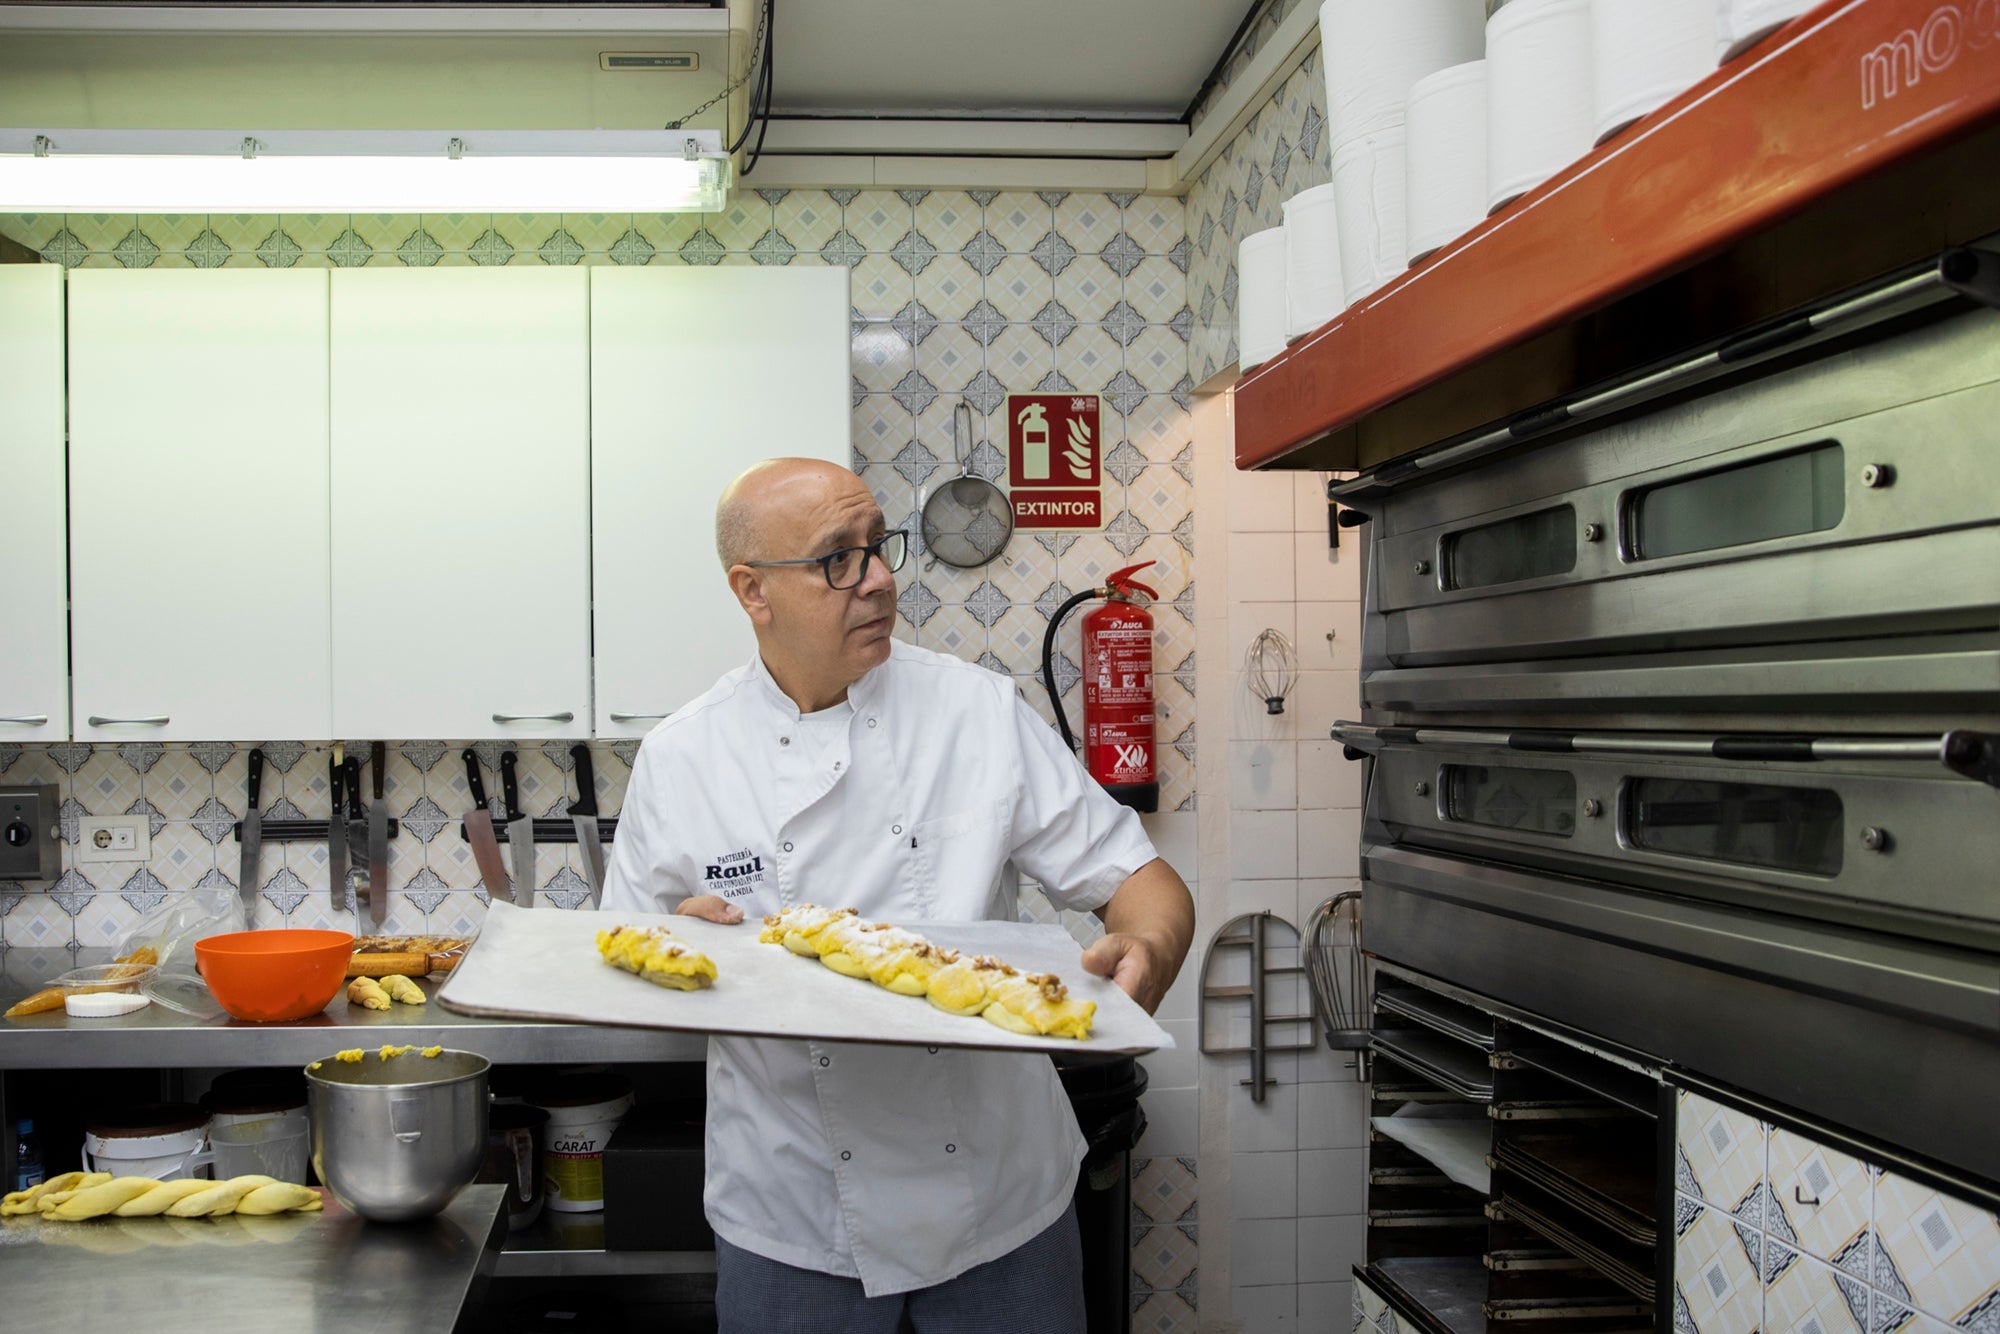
x=759, y=107
x=770, y=85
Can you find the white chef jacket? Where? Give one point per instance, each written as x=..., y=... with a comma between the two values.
x=899, y=1166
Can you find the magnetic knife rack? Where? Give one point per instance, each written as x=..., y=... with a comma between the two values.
x=1249, y=932
x=548, y=828
x=313, y=831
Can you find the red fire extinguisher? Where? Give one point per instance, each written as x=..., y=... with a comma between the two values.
x=1117, y=688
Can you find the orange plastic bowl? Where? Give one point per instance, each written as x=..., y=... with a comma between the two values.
x=270, y=976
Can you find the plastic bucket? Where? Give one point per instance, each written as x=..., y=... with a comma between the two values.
x=582, y=1116
x=258, y=1124
x=164, y=1141
x=271, y=1145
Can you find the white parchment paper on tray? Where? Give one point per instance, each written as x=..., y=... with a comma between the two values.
x=542, y=963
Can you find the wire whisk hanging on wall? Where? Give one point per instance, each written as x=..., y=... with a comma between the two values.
x=1338, y=971
x=1270, y=666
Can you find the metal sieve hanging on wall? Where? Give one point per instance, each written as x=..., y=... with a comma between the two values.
x=968, y=520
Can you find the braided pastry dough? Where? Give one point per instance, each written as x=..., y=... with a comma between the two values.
x=898, y=960
x=657, y=955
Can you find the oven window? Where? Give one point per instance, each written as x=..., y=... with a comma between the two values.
x=1529, y=546
x=1754, y=502
x=1784, y=828
x=1540, y=801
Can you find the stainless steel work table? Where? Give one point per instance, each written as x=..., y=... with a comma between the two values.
x=158, y=1036
x=328, y=1272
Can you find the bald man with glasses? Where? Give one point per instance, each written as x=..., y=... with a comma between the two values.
x=855, y=1187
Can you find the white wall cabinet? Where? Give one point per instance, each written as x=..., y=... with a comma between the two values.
x=696, y=373
x=34, y=669
x=461, y=541
x=198, y=504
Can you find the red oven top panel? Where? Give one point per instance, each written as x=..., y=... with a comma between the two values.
x=1845, y=90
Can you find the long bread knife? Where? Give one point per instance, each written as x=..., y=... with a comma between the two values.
x=378, y=842
x=351, y=770
x=479, y=832
x=253, y=839
x=584, y=809
x=520, y=833
x=336, y=828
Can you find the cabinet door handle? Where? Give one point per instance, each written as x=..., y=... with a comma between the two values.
x=564, y=717
x=634, y=717
x=28, y=720
x=159, y=720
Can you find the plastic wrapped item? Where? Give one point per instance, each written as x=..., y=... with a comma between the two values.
x=171, y=929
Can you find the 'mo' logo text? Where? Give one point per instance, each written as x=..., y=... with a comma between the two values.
x=1903, y=60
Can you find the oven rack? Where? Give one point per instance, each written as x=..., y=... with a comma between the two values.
x=1560, y=1233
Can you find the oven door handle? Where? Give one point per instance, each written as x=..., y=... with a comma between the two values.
x=1975, y=755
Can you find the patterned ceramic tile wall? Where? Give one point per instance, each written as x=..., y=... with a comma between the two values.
x=956, y=295
x=1281, y=151
x=1166, y=1276
x=1777, y=1233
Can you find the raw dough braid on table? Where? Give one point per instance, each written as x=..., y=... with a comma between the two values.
x=402, y=990
x=279, y=1197
x=1034, y=1004
x=163, y=1194
x=97, y=1201
x=220, y=1198
x=29, y=1201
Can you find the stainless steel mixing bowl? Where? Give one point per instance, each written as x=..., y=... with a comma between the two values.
x=398, y=1139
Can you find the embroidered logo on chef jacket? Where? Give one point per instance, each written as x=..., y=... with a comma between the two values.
x=734, y=874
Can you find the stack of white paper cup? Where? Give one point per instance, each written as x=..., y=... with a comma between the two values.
x=1313, y=290
x=1444, y=156
x=1368, y=192
x=1373, y=50
x=1260, y=297
x=1645, y=53
x=1742, y=22
x=1538, y=94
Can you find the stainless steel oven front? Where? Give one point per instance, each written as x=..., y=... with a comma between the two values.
x=1682, y=732
x=1817, y=548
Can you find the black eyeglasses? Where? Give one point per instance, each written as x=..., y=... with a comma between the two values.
x=848, y=566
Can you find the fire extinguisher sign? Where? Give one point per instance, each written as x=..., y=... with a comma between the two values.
x=1055, y=458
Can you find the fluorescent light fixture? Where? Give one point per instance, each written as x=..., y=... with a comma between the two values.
x=363, y=171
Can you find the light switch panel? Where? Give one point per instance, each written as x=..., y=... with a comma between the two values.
x=28, y=847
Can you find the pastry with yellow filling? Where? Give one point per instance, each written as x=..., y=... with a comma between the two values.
x=657, y=955
x=966, y=986
x=899, y=960
x=799, y=928
x=1037, y=1004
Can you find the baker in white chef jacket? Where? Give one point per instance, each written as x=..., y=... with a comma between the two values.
x=847, y=1183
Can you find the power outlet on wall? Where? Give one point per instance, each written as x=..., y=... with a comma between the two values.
x=113, y=838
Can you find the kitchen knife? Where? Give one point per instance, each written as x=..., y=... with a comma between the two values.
x=351, y=770
x=253, y=840
x=479, y=833
x=336, y=829
x=584, y=809
x=378, y=842
x=520, y=833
